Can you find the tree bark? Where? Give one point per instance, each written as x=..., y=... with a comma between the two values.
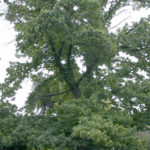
x=76, y=91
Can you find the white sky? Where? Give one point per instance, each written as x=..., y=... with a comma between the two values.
x=7, y=54
x=7, y=47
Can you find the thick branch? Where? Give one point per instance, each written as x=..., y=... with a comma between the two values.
x=69, y=56
x=56, y=56
x=61, y=49
x=67, y=73
x=85, y=74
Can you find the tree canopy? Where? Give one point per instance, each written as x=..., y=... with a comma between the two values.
x=101, y=107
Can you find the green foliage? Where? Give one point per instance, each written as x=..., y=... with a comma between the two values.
x=99, y=108
x=146, y=136
x=87, y=124
x=9, y=121
x=23, y=131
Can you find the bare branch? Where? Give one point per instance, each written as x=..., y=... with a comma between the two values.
x=120, y=12
x=113, y=8
x=119, y=23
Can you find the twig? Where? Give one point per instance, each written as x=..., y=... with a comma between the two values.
x=119, y=23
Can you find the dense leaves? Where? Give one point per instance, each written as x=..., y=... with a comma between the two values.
x=23, y=131
x=94, y=127
x=99, y=106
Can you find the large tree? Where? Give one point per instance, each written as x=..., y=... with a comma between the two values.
x=91, y=109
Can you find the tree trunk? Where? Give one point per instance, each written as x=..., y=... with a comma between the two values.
x=76, y=92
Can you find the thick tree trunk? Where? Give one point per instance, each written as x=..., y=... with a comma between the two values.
x=76, y=92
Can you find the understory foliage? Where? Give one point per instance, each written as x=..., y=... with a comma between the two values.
x=100, y=106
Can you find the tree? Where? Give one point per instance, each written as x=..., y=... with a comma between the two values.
x=9, y=121
x=23, y=131
x=52, y=35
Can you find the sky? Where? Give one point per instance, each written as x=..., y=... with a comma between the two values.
x=7, y=46
x=7, y=54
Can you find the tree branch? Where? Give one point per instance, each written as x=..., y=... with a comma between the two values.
x=85, y=74
x=61, y=49
x=68, y=77
x=69, y=56
x=51, y=95
x=135, y=26
x=113, y=9
x=119, y=23
x=56, y=56
x=67, y=73
x=120, y=12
